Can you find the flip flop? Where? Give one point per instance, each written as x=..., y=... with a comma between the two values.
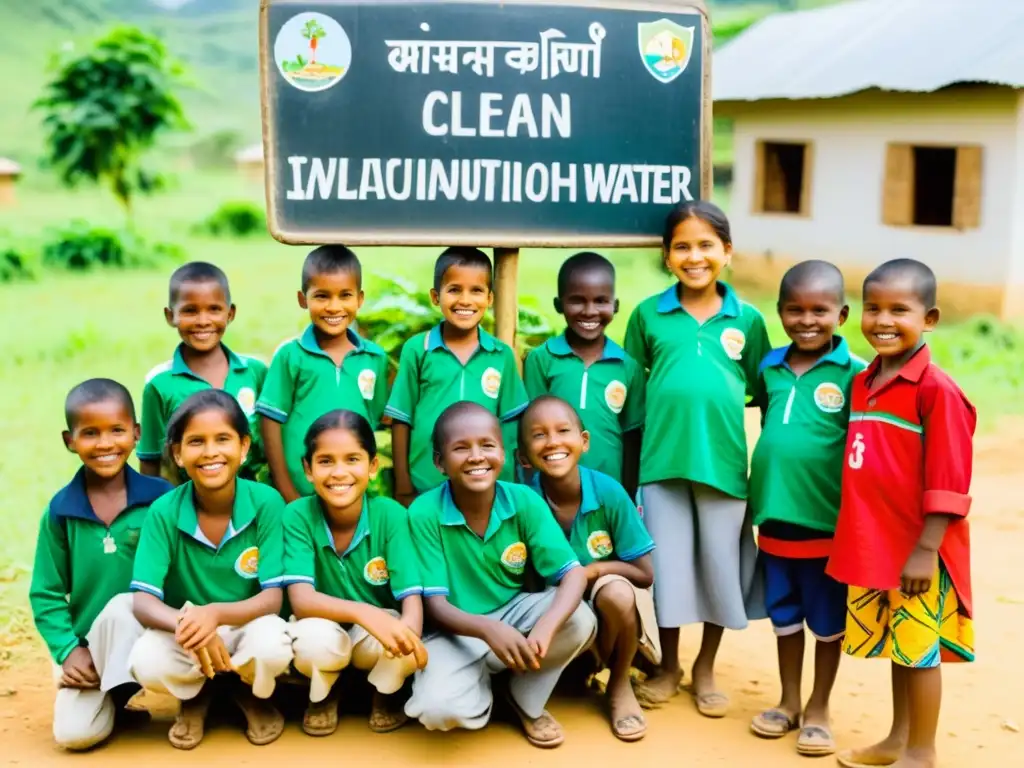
x=190, y=723
x=844, y=759
x=394, y=719
x=815, y=741
x=321, y=718
x=630, y=728
x=773, y=724
x=533, y=726
x=714, y=704
x=260, y=712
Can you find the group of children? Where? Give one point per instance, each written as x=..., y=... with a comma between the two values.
x=513, y=542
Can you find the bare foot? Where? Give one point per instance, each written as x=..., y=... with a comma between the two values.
x=885, y=752
x=386, y=713
x=657, y=690
x=628, y=721
x=265, y=723
x=190, y=722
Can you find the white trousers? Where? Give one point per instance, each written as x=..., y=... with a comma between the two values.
x=82, y=718
x=260, y=651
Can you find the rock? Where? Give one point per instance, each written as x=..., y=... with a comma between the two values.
x=1009, y=725
x=7, y=692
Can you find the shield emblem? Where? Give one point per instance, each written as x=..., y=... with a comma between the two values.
x=665, y=48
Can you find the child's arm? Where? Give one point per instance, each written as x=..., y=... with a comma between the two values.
x=401, y=408
x=412, y=613
x=640, y=571
x=635, y=341
x=273, y=445
x=758, y=345
x=632, y=442
x=632, y=421
x=154, y=429
x=400, y=436
x=567, y=599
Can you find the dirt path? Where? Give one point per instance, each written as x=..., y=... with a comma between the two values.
x=983, y=703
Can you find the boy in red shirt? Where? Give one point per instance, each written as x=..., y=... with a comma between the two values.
x=902, y=541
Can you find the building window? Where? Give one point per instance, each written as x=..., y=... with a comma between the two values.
x=932, y=186
x=783, y=177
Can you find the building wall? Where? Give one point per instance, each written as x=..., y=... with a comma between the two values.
x=849, y=137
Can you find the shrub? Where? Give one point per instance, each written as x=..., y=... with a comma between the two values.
x=234, y=219
x=18, y=264
x=81, y=247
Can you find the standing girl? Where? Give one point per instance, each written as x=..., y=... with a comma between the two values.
x=352, y=577
x=208, y=574
x=702, y=346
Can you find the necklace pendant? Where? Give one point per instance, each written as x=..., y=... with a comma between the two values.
x=109, y=545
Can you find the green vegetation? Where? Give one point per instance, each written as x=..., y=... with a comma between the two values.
x=235, y=218
x=81, y=247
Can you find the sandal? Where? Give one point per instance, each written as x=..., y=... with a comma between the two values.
x=713, y=704
x=815, y=741
x=773, y=724
x=534, y=728
x=190, y=722
x=630, y=728
x=321, y=718
x=264, y=724
x=384, y=719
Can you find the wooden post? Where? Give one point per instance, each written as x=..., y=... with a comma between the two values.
x=506, y=297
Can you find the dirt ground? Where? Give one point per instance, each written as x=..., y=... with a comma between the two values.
x=982, y=709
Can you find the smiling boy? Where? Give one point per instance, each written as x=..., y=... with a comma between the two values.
x=328, y=367
x=199, y=307
x=454, y=361
x=586, y=368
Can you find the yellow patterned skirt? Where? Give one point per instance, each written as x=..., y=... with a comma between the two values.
x=919, y=631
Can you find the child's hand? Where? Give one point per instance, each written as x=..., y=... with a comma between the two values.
x=919, y=571
x=78, y=671
x=593, y=573
x=197, y=624
x=512, y=648
x=397, y=637
x=540, y=638
x=213, y=657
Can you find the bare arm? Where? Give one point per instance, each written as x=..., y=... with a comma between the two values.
x=568, y=596
x=149, y=467
x=266, y=603
x=273, y=444
x=457, y=621
x=404, y=491
x=631, y=442
x=640, y=572
x=412, y=613
x=154, y=613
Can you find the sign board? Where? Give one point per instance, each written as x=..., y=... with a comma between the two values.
x=508, y=124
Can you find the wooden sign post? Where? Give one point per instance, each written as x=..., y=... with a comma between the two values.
x=522, y=123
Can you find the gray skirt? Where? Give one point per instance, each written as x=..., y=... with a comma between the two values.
x=705, y=556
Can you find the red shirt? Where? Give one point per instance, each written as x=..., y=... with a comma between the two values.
x=908, y=455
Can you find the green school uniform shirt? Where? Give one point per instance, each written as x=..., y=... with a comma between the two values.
x=607, y=525
x=609, y=395
x=177, y=563
x=479, y=575
x=81, y=563
x=378, y=567
x=304, y=383
x=797, y=468
x=169, y=384
x=430, y=378
x=701, y=376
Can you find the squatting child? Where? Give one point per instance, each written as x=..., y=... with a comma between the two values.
x=456, y=360
x=83, y=565
x=199, y=307
x=795, y=476
x=608, y=537
x=473, y=536
x=902, y=541
x=586, y=368
x=328, y=367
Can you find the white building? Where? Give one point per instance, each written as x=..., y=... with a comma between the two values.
x=877, y=129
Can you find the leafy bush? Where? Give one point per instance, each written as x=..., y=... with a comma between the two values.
x=81, y=246
x=234, y=219
x=18, y=264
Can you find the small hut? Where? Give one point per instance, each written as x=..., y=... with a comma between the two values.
x=10, y=172
x=249, y=162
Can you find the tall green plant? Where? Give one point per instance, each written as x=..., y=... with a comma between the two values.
x=106, y=108
x=313, y=32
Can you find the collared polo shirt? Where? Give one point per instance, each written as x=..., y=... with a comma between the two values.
x=431, y=378
x=607, y=525
x=608, y=395
x=700, y=378
x=908, y=455
x=176, y=562
x=480, y=574
x=378, y=567
x=304, y=383
x=169, y=384
x=81, y=562
x=797, y=467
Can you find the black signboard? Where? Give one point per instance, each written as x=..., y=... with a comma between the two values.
x=485, y=123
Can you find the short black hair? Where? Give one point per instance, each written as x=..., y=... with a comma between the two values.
x=450, y=415
x=582, y=262
x=95, y=391
x=704, y=210
x=919, y=274
x=461, y=256
x=330, y=260
x=816, y=275
x=536, y=403
x=350, y=421
x=200, y=402
x=197, y=272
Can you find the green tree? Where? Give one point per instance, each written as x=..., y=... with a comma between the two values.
x=313, y=32
x=106, y=108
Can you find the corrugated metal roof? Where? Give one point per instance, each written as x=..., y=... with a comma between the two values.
x=894, y=45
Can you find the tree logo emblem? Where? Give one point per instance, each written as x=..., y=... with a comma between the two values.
x=312, y=52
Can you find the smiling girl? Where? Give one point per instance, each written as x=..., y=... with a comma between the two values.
x=208, y=576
